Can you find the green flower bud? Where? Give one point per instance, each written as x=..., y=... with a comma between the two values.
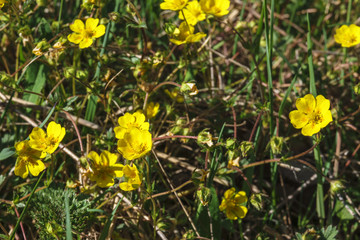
x=205, y=138
x=246, y=148
x=115, y=17
x=189, y=88
x=204, y=195
x=357, y=89
x=336, y=186
x=276, y=144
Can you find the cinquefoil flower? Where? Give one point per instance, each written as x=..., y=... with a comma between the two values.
x=28, y=160
x=84, y=34
x=152, y=110
x=135, y=144
x=2, y=2
x=128, y=121
x=193, y=13
x=231, y=204
x=185, y=34
x=47, y=142
x=348, y=36
x=312, y=114
x=105, y=168
x=132, y=178
x=217, y=8
x=174, y=5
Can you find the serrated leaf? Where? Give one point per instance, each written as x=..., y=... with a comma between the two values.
x=329, y=233
x=6, y=153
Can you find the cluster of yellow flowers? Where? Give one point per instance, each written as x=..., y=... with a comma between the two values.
x=193, y=12
x=348, y=36
x=31, y=152
x=135, y=141
x=105, y=169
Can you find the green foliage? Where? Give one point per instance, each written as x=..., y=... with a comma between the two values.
x=48, y=208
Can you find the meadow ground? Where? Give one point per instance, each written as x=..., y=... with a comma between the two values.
x=176, y=119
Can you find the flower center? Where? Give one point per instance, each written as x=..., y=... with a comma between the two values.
x=89, y=34
x=318, y=118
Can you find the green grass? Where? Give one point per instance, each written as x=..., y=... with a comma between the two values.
x=250, y=69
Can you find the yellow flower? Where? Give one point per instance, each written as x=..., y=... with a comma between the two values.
x=84, y=35
x=174, y=5
x=312, y=114
x=217, y=8
x=128, y=121
x=175, y=95
x=47, y=142
x=2, y=2
x=152, y=109
x=193, y=13
x=185, y=34
x=135, y=144
x=105, y=168
x=28, y=160
x=231, y=204
x=348, y=36
x=132, y=178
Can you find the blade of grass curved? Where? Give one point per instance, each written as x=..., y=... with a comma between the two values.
x=105, y=231
x=320, y=209
x=310, y=60
x=26, y=207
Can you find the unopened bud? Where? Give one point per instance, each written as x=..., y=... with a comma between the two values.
x=189, y=88
x=336, y=186
x=205, y=138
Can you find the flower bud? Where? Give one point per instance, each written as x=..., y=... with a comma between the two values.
x=336, y=186
x=41, y=47
x=276, y=144
x=204, y=195
x=205, y=138
x=189, y=88
x=246, y=148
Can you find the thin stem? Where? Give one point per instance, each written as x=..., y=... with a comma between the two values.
x=166, y=83
x=170, y=191
x=174, y=136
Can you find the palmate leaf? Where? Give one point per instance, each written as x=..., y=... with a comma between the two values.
x=329, y=233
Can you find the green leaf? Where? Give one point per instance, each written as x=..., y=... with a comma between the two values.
x=341, y=211
x=202, y=219
x=329, y=233
x=67, y=215
x=6, y=153
x=36, y=78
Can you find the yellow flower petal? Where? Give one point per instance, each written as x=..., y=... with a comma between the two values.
x=75, y=38
x=21, y=169
x=310, y=129
x=36, y=167
x=95, y=157
x=322, y=104
x=99, y=31
x=85, y=43
x=306, y=104
x=327, y=118
x=91, y=24
x=298, y=119
x=78, y=26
